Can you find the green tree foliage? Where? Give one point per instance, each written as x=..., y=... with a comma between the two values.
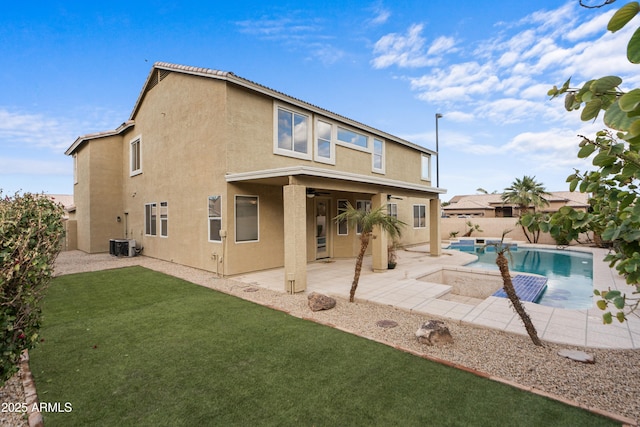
x=30, y=233
x=614, y=184
x=526, y=193
x=367, y=221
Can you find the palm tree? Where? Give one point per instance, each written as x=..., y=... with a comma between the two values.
x=367, y=220
x=503, y=265
x=524, y=193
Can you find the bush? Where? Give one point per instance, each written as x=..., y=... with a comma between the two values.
x=31, y=231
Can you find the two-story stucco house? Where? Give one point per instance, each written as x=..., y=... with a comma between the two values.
x=220, y=173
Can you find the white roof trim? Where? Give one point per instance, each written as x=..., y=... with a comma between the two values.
x=126, y=125
x=329, y=173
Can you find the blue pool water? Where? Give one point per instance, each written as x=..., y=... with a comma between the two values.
x=570, y=273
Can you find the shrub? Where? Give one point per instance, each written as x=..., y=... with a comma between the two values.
x=31, y=230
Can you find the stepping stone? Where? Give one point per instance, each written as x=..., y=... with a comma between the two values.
x=578, y=356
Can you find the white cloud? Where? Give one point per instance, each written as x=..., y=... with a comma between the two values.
x=381, y=14
x=441, y=45
x=405, y=51
x=34, y=130
x=595, y=26
x=55, y=134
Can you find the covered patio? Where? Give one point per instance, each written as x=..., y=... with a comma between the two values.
x=309, y=232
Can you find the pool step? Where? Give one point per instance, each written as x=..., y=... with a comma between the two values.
x=528, y=288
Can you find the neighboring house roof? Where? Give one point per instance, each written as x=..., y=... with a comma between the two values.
x=491, y=201
x=65, y=200
x=161, y=69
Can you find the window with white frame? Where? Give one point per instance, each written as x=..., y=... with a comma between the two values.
x=392, y=210
x=343, y=226
x=419, y=216
x=247, y=219
x=425, y=167
x=75, y=168
x=135, y=156
x=353, y=138
x=325, y=148
x=164, y=219
x=365, y=206
x=215, y=218
x=150, y=218
x=293, y=133
x=378, y=155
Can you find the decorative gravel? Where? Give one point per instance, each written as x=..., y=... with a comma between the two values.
x=611, y=384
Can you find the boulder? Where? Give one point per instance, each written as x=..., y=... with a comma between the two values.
x=319, y=302
x=434, y=332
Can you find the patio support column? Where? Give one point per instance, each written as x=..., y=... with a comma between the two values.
x=435, y=240
x=295, y=238
x=380, y=239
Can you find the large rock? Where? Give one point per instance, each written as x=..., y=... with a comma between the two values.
x=434, y=332
x=319, y=302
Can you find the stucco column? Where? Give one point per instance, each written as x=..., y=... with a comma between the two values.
x=380, y=239
x=295, y=238
x=435, y=241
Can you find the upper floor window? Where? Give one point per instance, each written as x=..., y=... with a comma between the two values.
x=293, y=133
x=135, y=156
x=325, y=148
x=425, y=167
x=378, y=155
x=351, y=137
x=75, y=168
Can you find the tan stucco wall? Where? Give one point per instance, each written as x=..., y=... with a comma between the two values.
x=194, y=131
x=182, y=125
x=98, y=194
x=70, y=235
x=251, y=127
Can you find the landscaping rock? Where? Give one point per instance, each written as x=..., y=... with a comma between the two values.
x=578, y=356
x=434, y=332
x=319, y=302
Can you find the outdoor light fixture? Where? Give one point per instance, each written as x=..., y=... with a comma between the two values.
x=438, y=116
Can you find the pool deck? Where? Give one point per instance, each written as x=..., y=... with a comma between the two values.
x=400, y=288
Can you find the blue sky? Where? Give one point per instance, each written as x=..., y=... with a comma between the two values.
x=70, y=68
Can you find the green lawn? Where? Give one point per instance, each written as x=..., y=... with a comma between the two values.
x=136, y=347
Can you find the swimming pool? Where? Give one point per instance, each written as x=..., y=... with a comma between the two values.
x=570, y=273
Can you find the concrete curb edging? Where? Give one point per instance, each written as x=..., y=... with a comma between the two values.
x=31, y=396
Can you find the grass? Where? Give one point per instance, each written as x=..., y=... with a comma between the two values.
x=136, y=347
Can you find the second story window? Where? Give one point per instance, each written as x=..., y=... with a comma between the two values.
x=293, y=132
x=354, y=138
x=425, y=166
x=135, y=156
x=325, y=148
x=378, y=155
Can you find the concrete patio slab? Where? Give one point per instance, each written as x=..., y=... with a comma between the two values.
x=400, y=288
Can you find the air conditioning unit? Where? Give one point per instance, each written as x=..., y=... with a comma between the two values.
x=122, y=247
